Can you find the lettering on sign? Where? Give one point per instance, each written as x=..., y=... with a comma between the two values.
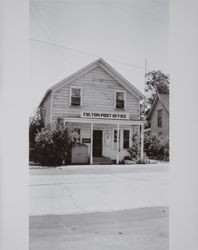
x=86, y=140
x=100, y=115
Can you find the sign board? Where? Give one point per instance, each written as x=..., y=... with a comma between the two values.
x=86, y=140
x=104, y=115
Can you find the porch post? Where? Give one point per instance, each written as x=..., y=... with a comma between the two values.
x=118, y=141
x=142, y=141
x=91, y=145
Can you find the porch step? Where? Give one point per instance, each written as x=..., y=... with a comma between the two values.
x=102, y=160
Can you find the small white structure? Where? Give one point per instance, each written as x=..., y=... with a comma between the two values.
x=102, y=105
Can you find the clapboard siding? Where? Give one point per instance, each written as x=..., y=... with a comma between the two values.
x=47, y=107
x=165, y=120
x=98, y=89
x=109, y=150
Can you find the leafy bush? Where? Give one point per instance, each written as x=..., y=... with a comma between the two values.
x=156, y=146
x=36, y=125
x=54, y=146
x=134, y=151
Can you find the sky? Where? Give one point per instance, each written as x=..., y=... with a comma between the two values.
x=66, y=35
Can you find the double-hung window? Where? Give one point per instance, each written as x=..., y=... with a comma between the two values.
x=120, y=99
x=159, y=118
x=75, y=96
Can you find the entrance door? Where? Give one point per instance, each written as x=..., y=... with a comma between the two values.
x=97, y=143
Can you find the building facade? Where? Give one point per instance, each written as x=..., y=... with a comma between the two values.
x=101, y=105
x=159, y=115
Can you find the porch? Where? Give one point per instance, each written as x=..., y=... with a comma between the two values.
x=108, y=139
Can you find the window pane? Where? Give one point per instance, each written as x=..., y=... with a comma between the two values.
x=75, y=101
x=126, y=139
x=115, y=135
x=120, y=100
x=75, y=92
x=120, y=96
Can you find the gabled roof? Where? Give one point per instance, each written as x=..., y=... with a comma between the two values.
x=106, y=67
x=164, y=99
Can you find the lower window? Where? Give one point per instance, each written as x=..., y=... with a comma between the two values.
x=125, y=138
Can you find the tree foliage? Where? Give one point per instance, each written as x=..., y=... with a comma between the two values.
x=156, y=81
x=156, y=146
x=36, y=124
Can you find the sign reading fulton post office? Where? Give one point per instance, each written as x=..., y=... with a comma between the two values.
x=101, y=105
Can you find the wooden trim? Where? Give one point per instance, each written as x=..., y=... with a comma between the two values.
x=118, y=141
x=74, y=76
x=130, y=139
x=103, y=121
x=123, y=81
x=91, y=145
x=51, y=107
x=105, y=66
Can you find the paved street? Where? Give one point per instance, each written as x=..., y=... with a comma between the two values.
x=85, y=189
x=99, y=208
x=136, y=229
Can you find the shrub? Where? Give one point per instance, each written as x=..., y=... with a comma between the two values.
x=145, y=160
x=134, y=151
x=35, y=126
x=54, y=146
x=156, y=146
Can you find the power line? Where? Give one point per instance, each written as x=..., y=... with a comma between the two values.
x=134, y=8
x=85, y=53
x=44, y=26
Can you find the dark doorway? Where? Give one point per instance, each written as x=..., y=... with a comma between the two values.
x=97, y=143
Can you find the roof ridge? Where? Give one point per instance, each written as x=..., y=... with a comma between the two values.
x=98, y=62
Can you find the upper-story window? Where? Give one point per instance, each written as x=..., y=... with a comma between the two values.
x=120, y=99
x=159, y=118
x=75, y=96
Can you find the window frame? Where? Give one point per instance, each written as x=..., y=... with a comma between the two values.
x=115, y=94
x=159, y=118
x=70, y=96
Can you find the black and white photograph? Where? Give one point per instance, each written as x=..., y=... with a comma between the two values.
x=98, y=131
x=99, y=125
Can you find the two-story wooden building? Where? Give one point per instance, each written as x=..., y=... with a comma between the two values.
x=102, y=105
x=159, y=115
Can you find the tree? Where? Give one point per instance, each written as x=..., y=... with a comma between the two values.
x=36, y=125
x=156, y=81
